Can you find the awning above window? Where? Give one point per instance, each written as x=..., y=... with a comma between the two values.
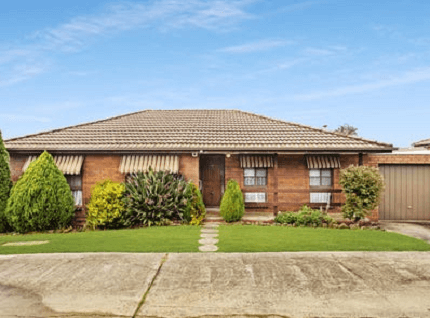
x=132, y=164
x=70, y=165
x=323, y=162
x=254, y=161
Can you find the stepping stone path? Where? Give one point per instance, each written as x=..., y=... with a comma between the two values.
x=209, y=239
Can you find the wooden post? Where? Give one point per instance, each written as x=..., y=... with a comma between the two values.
x=275, y=186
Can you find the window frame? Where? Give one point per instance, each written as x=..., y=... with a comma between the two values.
x=255, y=185
x=321, y=186
x=75, y=188
x=255, y=202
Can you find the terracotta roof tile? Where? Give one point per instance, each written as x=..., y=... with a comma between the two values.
x=191, y=130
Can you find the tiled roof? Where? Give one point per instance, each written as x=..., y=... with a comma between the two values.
x=422, y=143
x=194, y=130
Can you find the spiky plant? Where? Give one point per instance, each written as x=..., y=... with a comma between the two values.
x=153, y=197
x=41, y=199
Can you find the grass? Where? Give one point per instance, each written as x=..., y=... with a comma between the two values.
x=143, y=240
x=251, y=238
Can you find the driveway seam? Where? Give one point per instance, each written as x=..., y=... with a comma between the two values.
x=142, y=302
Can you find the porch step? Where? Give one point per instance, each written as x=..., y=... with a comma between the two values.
x=248, y=217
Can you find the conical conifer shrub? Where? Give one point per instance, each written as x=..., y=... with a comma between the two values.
x=232, y=206
x=41, y=199
x=5, y=185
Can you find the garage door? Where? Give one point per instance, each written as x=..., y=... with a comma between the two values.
x=407, y=192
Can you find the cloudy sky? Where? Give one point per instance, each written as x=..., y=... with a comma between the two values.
x=317, y=62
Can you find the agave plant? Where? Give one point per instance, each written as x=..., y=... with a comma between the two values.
x=152, y=197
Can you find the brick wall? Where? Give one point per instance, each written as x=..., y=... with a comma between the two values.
x=100, y=167
x=16, y=164
x=293, y=183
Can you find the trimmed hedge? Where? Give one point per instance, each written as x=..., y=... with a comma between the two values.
x=362, y=186
x=305, y=216
x=41, y=199
x=5, y=185
x=106, y=206
x=232, y=206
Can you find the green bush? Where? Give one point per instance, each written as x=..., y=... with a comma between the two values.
x=106, y=206
x=232, y=206
x=5, y=185
x=196, y=206
x=41, y=199
x=151, y=198
x=305, y=216
x=362, y=186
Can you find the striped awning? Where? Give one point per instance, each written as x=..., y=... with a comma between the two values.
x=254, y=161
x=70, y=165
x=323, y=162
x=132, y=164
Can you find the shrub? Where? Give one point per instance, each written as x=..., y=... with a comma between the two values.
x=41, y=199
x=152, y=197
x=5, y=185
x=232, y=206
x=362, y=186
x=305, y=216
x=106, y=205
x=197, y=208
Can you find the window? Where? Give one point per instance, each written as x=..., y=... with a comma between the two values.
x=320, y=177
x=255, y=197
x=75, y=183
x=255, y=177
x=320, y=197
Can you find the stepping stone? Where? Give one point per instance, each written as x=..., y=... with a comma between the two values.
x=208, y=235
x=26, y=243
x=208, y=248
x=208, y=241
x=209, y=231
x=210, y=226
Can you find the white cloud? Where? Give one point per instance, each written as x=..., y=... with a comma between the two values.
x=415, y=76
x=218, y=15
x=262, y=45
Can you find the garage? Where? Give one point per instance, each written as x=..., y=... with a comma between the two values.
x=407, y=192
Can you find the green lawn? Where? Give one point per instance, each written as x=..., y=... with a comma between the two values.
x=251, y=238
x=153, y=239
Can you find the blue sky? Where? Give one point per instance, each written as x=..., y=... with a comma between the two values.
x=328, y=62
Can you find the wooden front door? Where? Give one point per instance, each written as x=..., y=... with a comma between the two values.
x=212, y=172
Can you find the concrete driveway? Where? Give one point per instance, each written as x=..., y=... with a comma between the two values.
x=330, y=284
x=415, y=230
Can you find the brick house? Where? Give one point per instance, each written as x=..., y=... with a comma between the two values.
x=279, y=165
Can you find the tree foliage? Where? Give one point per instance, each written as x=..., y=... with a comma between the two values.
x=152, y=198
x=232, y=206
x=106, y=206
x=41, y=199
x=196, y=206
x=347, y=130
x=5, y=185
x=362, y=186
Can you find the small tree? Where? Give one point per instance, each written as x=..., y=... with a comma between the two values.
x=232, y=206
x=5, y=185
x=362, y=186
x=347, y=130
x=41, y=199
x=106, y=206
x=197, y=208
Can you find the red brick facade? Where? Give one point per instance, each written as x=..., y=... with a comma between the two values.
x=287, y=189
x=293, y=189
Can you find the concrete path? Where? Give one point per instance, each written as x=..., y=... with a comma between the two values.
x=209, y=238
x=415, y=230
x=342, y=284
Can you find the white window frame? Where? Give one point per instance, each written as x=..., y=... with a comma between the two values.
x=254, y=177
x=320, y=197
x=255, y=197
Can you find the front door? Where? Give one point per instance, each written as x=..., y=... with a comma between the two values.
x=212, y=172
